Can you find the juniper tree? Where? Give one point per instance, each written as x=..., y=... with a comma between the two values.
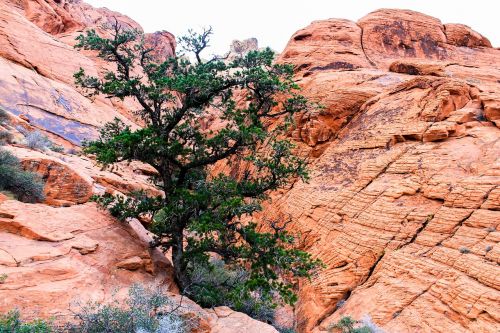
x=204, y=212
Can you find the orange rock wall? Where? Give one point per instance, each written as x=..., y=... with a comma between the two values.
x=403, y=201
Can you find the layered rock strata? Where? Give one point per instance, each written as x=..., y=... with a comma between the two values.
x=403, y=201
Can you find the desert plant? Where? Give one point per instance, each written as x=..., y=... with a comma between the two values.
x=202, y=210
x=145, y=310
x=464, y=250
x=349, y=325
x=56, y=148
x=37, y=140
x=5, y=137
x=217, y=284
x=488, y=248
x=26, y=186
x=12, y=323
x=4, y=116
x=3, y=278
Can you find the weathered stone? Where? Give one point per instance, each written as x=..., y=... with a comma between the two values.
x=462, y=35
x=131, y=264
x=403, y=197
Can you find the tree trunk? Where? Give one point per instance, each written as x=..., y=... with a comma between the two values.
x=178, y=261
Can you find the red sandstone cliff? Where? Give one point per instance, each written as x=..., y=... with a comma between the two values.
x=403, y=205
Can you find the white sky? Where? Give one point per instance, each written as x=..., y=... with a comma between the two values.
x=273, y=22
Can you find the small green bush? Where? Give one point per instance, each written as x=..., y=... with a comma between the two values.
x=146, y=310
x=464, y=250
x=26, y=186
x=5, y=137
x=4, y=116
x=349, y=325
x=220, y=285
x=57, y=148
x=37, y=140
x=12, y=323
x=285, y=329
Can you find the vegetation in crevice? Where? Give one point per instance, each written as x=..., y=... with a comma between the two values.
x=24, y=185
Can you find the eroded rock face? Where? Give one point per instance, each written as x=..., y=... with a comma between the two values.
x=462, y=35
x=403, y=202
x=326, y=45
x=55, y=256
x=38, y=61
x=402, y=205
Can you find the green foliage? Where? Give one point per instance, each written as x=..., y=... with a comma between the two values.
x=4, y=116
x=12, y=323
x=57, y=148
x=285, y=329
x=146, y=310
x=350, y=325
x=203, y=211
x=37, y=140
x=216, y=284
x=5, y=137
x=26, y=186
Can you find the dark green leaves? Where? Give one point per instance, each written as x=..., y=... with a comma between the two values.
x=26, y=186
x=208, y=135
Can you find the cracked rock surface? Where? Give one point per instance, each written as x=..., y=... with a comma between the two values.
x=403, y=203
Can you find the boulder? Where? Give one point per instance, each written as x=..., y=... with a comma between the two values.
x=462, y=35
x=326, y=45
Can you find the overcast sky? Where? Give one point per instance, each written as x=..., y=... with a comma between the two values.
x=273, y=22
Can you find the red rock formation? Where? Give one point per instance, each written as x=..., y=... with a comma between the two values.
x=402, y=205
x=462, y=35
x=37, y=76
x=403, y=202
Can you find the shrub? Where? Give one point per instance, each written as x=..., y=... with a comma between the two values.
x=57, y=148
x=37, y=140
x=4, y=116
x=26, y=186
x=464, y=250
x=219, y=285
x=350, y=325
x=12, y=323
x=146, y=310
x=488, y=248
x=285, y=329
x=5, y=137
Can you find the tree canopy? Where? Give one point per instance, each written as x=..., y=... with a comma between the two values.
x=205, y=212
